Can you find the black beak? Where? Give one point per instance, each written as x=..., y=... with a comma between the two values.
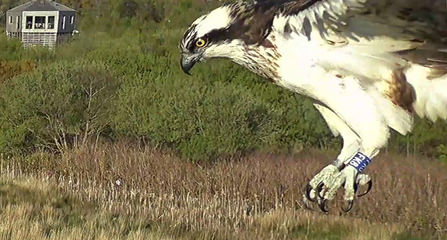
x=187, y=63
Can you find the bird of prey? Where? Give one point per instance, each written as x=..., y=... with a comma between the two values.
x=369, y=66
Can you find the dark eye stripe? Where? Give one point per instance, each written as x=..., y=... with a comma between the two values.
x=218, y=35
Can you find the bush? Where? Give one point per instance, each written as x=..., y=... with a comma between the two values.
x=54, y=106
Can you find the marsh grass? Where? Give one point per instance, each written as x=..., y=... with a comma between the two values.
x=123, y=191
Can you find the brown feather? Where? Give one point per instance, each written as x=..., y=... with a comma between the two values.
x=400, y=92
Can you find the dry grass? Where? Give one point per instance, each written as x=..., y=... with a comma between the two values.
x=130, y=193
x=31, y=209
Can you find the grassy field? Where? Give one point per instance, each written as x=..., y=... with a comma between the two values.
x=119, y=191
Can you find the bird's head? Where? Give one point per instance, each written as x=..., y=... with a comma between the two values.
x=214, y=35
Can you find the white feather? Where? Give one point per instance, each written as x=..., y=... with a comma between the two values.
x=216, y=19
x=346, y=96
x=431, y=94
x=362, y=50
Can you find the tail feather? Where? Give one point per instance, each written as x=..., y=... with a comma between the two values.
x=431, y=94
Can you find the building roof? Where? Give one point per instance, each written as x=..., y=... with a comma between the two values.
x=41, y=5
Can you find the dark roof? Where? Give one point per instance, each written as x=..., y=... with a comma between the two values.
x=41, y=5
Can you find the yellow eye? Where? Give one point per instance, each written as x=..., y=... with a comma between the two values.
x=200, y=42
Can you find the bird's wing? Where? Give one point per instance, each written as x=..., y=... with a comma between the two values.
x=370, y=43
x=374, y=40
x=387, y=30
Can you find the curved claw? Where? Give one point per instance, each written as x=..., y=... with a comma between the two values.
x=323, y=206
x=367, y=190
x=320, y=189
x=307, y=193
x=349, y=207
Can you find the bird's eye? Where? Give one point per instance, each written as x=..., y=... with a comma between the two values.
x=200, y=42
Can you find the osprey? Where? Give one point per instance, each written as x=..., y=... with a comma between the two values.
x=369, y=65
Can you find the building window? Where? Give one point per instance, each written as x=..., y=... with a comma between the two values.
x=10, y=19
x=39, y=22
x=29, y=22
x=51, y=22
x=72, y=20
x=63, y=22
x=18, y=22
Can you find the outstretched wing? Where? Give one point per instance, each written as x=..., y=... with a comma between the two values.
x=410, y=29
x=414, y=29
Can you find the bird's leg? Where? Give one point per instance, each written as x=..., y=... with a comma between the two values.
x=350, y=178
x=353, y=170
x=344, y=171
x=323, y=187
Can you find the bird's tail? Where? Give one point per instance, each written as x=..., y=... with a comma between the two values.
x=431, y=92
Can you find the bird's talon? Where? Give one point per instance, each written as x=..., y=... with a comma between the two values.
x=320, y=189
x=349, y=207
x=323, y=206
x=367, y=190
x=323, y=187
x=307, y=193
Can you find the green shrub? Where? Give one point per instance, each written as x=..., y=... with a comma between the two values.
x=55, y=105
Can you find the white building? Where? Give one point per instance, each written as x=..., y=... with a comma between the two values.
x=41, y=22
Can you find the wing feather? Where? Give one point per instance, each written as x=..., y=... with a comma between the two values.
x=375, y=42
x=410, y=29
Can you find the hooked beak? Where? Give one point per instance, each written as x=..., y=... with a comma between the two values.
x=188, y=61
